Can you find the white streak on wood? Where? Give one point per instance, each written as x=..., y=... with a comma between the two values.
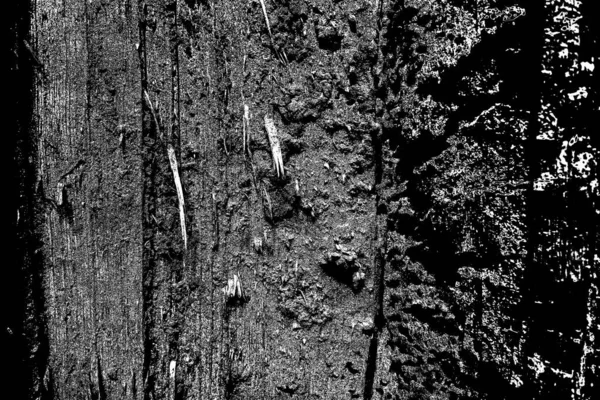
x=172, y=367
x=268, y=198
x=264, y=8
x=237, y=287
x=275, y=147
x=152, y=111
x=172, y=370
x=173, y=163
x=233, y=288
x=246, y=130
x=59, y=193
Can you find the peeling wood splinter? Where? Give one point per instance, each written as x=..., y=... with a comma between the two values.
x=152, y=111
x=233, y=291
x=280, y=54
x=173, y=163
x=246, y=131
x=275, y=147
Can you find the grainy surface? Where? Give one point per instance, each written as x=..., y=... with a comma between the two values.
x=303, y=199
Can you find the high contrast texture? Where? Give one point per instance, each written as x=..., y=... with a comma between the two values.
x=272, y=199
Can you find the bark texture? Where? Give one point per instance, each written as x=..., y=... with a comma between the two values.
x=304, y=199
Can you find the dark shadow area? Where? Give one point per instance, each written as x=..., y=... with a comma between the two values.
x=23, y=335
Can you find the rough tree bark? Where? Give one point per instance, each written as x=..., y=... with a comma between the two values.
x=294, y=199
